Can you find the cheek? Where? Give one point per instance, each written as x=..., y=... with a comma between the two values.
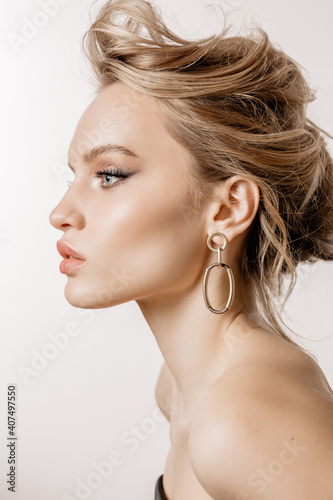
x=151, y=238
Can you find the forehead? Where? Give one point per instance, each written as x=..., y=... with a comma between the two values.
x=120, y=114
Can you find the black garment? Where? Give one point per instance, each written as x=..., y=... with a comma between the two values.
x=159, y=491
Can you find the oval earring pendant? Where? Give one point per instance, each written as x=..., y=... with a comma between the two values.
x=231, y=288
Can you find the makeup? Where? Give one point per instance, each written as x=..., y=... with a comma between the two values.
x=72, y=259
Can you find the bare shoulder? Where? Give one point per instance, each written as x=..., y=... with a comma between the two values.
x=264, y=429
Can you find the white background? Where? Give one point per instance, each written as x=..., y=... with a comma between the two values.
x=74, y=411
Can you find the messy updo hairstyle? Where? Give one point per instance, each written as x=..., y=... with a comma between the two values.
x=238, y=104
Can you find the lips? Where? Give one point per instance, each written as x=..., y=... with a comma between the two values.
x=66, y=251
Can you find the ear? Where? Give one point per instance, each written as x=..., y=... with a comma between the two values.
x=234, y=206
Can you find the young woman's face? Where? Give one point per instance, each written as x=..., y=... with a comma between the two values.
x=140, y=236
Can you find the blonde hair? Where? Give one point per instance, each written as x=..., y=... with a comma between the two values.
x=238, y=104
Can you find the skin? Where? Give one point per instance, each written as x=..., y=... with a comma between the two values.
x=227, y=378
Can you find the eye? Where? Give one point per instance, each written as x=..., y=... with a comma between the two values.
x=107, y=175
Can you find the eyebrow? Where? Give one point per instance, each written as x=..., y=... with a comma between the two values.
x=89, y=156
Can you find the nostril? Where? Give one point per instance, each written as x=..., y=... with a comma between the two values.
x=64, y=216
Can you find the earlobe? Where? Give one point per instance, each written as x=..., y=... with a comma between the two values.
x=236, y=202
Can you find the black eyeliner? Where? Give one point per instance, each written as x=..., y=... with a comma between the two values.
x=114, y=172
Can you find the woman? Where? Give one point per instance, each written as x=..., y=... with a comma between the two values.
x=202, y=184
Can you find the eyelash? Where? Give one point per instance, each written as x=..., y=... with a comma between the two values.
x=112, y=172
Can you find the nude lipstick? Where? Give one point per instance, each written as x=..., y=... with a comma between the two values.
x=72, y=259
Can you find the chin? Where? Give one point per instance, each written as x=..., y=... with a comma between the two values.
x=86, y=298
x=79, y=296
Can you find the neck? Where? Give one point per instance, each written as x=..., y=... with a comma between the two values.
x=197, y=345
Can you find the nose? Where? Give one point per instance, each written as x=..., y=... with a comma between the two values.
x=65, y=215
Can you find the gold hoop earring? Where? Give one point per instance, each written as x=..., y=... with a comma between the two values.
x=219, y=264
